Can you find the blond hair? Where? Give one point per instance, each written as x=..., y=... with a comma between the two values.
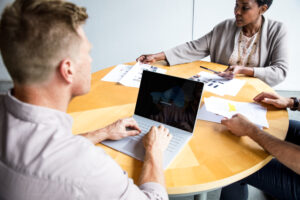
x=35, y=35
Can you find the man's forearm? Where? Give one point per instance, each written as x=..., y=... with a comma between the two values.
x=95, y=136
x=153, y=169
x=287, y=153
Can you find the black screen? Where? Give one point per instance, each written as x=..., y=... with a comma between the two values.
x=170, y=100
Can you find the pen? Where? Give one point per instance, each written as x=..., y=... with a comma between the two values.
x=209, y=69
x=228, y=67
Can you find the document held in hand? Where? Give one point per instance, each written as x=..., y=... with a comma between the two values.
x=255, y=113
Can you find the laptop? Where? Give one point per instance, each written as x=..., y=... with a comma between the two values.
x=167, y=100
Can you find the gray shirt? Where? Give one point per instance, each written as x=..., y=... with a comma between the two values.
x=219, y=44
x=41, y=159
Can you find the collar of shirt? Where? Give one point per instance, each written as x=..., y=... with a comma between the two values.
x=36, y=114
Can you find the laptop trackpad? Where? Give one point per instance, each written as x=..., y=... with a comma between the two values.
x=136, y=148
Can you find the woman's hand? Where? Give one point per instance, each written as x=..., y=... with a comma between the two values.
x=151, y=58
x=231, y=71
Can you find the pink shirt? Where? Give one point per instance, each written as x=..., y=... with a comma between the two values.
x=41, y=159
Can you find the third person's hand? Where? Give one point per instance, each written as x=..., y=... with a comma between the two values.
x=239, y=125
x=274, y=99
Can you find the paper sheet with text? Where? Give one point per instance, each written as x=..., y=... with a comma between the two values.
x=254, y=112
x=117, y=73
x=219, y=85
x=130, y=75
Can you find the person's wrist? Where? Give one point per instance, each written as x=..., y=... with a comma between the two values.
x=101, y=134
x=252, y=130
x=154, y=151
x=247, y=71
x=160, y=56
x=295, y=104
x=154, y=156
x=95, y=136
x=290, y=102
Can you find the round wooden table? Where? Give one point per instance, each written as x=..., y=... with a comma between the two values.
x=213, y=157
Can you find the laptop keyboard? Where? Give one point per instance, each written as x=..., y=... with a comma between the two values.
x=145, y=127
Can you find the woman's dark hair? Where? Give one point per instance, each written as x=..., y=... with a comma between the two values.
x=263, y=2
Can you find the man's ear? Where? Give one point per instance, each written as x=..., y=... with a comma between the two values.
x=66, y=70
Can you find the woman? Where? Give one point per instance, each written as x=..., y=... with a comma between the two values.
x=250, y=44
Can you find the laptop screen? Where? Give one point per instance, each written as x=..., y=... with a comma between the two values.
x=170, y=100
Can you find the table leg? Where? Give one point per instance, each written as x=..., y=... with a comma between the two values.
x=202, y=196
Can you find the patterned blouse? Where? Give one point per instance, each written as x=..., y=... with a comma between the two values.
x=246, y=51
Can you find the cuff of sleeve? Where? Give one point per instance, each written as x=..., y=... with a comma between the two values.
x=259, y=73
x=169, y=54
x=155, y=188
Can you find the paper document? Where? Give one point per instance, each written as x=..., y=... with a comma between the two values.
x=219, y=85
x=203, y=114
x=117, y=73
x=255, y=113
x=134, y=75
x=130, y=75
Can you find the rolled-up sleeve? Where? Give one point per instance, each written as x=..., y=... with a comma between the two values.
x=147, y=191
x=154, y=191
x=105, y=179
x=189, y=51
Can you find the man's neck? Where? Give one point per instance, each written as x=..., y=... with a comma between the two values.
x=250, y=29
x=49, y=97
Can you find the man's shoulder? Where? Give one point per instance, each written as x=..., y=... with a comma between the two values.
x=69, y=155
x=63, y=158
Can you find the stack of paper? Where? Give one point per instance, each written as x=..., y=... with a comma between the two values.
x=219, y=108
x=219, y=85
x=129, y=75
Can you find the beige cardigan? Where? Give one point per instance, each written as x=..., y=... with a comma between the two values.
x=219, y=44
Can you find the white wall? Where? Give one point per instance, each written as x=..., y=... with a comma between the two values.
x=210, y=13
x=122, y=30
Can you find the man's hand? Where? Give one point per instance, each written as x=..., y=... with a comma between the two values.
x=122, y=128
x=274, y=99
x=157, y=139
x=231, y=71
x=115, y=131
x=239, y=125
x=155, y=142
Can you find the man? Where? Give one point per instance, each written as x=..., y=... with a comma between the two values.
x=279, y=178
x=46, y=53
